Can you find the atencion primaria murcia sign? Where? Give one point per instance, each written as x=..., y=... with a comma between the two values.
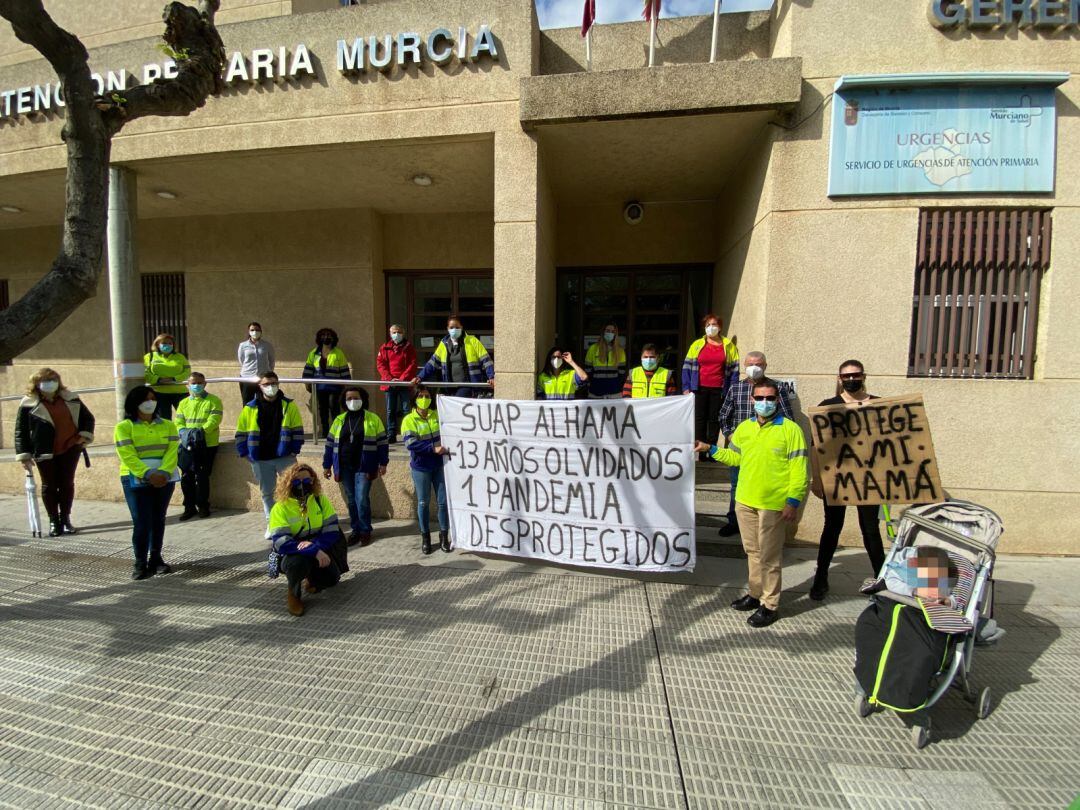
x=958, y=139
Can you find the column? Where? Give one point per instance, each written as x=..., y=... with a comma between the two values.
x=125, y=294
x=524, y=263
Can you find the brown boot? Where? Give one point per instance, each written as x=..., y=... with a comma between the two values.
x=309, y=588
x=293, y=603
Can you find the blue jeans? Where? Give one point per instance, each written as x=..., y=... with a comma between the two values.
x=397, y=404
x=734, y=483
x=423, y=481
x=147, y=506
x=266, y=474
x=357, y=491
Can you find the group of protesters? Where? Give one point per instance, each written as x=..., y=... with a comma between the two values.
x=742, y=419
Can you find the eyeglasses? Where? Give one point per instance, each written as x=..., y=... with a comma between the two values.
x=302, y=482
x=857, y=376
x=770, y=398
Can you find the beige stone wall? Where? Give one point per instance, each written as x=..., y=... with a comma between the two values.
x=444, y=241
x=670, y=233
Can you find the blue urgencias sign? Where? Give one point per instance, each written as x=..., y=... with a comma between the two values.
x=943, y=140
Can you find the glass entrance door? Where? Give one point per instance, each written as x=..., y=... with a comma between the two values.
x=421, y=302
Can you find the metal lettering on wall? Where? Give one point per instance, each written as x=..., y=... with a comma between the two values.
x=1045, y=14
x=942, y=140
x=440, y=47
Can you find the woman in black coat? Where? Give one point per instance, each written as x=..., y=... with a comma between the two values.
x=51, y=430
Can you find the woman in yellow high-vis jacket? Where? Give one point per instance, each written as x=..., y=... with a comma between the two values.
x=148, y=447
x=326, y=362
x=166, y=371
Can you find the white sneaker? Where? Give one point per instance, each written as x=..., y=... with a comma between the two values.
x=268, y=535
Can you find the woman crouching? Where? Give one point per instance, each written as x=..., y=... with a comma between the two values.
x=304, y=532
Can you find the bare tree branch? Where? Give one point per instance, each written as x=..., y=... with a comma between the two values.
x=90, y=123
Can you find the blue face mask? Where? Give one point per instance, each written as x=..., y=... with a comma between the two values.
x=397, y=337
x=454, y=332
x=649, y=363
x=196, y=389
x=764, y=409
x=165, y=348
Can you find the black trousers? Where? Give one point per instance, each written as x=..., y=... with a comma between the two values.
x=248, y=392
x=196, y=467
x=298, y=567
x=167, y=403
x=707, y=402
x=329, y=407
x=830, y=537
x=58, y=482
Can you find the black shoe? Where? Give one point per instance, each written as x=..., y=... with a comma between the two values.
x=444, y=541
x=141, y=572
x=763, y=617
x=391, y=439
x=55, y=529
x=161, y=567
x=65, y=524
x=204, y=511
x=425, y=543
x=188, y=514
x=818, y=590
x=353, y=538
x=730, y=530
x=747, y=602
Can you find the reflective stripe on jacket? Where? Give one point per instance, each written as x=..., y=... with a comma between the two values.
x=137, y=441
x=561, y=385
x=173, y=365
x=643, y=387
x=337, y=368
x=691, y=370
x=421, y=436
x=774, y=469
x=605, y=376
x=289, y=441
x=200, y=413
x=289, y=525
x=477, y=359
x=376, y=452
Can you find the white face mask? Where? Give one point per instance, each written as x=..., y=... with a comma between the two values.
x=269, y=391
x=48, y=386
x=255, y=334
x=354, y=404
x=148, y=407
x=755, y=372
x=712, y=330
x=556, y=363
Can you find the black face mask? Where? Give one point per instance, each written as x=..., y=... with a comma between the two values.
x=326, y=341
x=302, y=489
x=852, y=386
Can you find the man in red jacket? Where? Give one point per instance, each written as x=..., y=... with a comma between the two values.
x=396, y=361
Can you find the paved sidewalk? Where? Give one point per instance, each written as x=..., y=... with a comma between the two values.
x=461, y=681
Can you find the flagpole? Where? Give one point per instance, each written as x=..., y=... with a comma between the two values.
x=652, y=38
x=588, y=49
x=715, y=29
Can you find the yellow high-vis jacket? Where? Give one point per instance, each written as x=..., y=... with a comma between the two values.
x=774, y=468
x=139, y=441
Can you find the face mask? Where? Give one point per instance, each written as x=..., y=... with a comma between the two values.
x=196, y=389
x=609, y=336
x=255, y=334
x=454, y=332
x=148, y=407
x=755, y=372
x=302, y=487
x=852, y=386
x=354, y=404
x=48, y=386
x=269, y=391
x=397, y=337
x=712, y=330
x=765, y=409
x=649, y=363
x=556, y=363
x=165, y=348
x=325, y=341
x=423, y=403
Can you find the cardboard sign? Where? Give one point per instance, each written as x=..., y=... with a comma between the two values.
x=605, y=483
x=874, y=452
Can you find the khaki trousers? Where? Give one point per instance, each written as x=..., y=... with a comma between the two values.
x=763, y=535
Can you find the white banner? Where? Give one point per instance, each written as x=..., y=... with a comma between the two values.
x=604, y=483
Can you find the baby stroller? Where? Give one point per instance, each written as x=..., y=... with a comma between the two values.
x=908, y=652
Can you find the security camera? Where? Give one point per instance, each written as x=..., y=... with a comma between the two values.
x=634, y=212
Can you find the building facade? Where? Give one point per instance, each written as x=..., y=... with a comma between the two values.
x=402, y=160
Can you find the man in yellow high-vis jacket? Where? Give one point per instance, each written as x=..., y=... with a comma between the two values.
x=770, y=452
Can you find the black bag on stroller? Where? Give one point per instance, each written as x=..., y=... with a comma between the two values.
x=897, y=655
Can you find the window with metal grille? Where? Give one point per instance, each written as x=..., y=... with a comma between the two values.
x=164, y=308
x=976, y=301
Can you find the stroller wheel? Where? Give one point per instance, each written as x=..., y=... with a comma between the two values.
x=862, y=706
x=985, y=703
x=920, y=735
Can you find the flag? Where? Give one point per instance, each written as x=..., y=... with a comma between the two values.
x=652, y=10
x=588, y=17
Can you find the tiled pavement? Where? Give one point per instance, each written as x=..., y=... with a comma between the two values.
x=460, y=681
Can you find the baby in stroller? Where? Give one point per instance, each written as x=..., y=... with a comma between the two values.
x=928, y=608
